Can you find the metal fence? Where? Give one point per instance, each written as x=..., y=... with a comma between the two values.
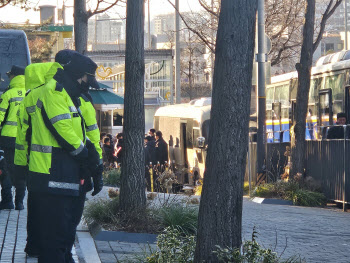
x=327, y=161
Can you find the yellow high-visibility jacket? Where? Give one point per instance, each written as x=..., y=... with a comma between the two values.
x=9, y=103
x=92, y=130
x=57, y=142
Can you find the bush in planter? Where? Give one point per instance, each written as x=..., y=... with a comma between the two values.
x=112, y=177
x=102, y=211
x=175, y=247
x=309, y=198
x=178, y=216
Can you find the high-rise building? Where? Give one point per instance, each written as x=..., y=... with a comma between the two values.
x=104, y=29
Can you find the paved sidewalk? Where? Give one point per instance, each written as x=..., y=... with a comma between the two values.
x=316, y=234
x=115, y=251
x=13, y=236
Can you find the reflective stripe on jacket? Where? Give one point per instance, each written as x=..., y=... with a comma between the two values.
x=9, y=104
x=57, y=142
x=36, y=75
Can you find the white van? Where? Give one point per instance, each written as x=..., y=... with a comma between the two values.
x=185, y=128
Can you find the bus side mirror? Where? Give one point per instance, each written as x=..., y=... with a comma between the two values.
x=200, y=142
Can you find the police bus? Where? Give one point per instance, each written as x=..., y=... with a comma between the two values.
x=329, y=94
x=14, y=50
x=186, y=128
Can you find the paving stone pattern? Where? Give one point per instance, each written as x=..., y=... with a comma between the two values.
x=317, y=235
x=115, y=251
x=13, y=236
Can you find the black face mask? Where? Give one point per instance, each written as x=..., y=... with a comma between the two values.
x=84, y=86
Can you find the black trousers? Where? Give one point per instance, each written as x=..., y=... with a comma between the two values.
x=33, y=224
x=58, y=217
x=12, y=179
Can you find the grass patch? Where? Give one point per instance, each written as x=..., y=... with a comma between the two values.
x=178, y=216
x=150, y=220
x=292, y=191
x=308, y=198
x=102, y=211
x=112, y=177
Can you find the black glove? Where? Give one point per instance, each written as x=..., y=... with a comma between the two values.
x=98, y=183
x=93, y=156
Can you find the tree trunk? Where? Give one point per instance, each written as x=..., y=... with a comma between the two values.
x=220, y=213
x=304, y=74
x=132, y=188
x=80, y=26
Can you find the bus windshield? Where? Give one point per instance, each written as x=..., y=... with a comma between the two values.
x=13, y=51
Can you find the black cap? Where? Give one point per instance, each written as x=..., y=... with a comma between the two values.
x=15, y=70
x=64, y=56
x=80, y=65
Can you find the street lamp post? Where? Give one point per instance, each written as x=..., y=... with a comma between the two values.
x=346, y=24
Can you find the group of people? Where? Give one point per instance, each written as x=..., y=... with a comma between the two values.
x=156, y=148
x=112, y=150
x=51, y=144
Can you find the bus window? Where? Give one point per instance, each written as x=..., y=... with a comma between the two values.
x=284, y=95
x=277, y=96
x=269, y=97
x=205, y=130
x=293, y=89
x=336, y=83
x=314, y=89
x=325, y=108
x=13, y=51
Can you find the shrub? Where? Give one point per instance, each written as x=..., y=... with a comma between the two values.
x=112, y=177
x=102, y=211
x=252, y=252
x=173, y=246
x=291, y=190
x=309, y=198
x=265, y=190
x=177, y=216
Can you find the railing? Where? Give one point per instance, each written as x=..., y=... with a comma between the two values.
x=326, y=161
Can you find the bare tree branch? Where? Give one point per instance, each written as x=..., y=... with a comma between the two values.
x=97, y=11
x=327, y=14
x=207, y=43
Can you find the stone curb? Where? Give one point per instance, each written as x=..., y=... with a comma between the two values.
x=100, y=234
x=271, y=201
x=87, y=246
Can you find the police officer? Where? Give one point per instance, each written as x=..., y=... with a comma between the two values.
x=86, y=105
x=88, y=112
x=10, y=101
x=36, y=75
x=60, y=157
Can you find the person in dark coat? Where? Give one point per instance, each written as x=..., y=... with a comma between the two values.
x=108, y=149
x=150, y=150
x=161, y=149
x=152, y=133
x=119, y=148
x=337, y=132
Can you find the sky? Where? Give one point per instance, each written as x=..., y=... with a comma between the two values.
x=11, y=14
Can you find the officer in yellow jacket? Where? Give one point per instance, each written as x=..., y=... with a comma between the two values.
x=86, y=105
x=9, y=104
x=36, y=75
x=59, y=157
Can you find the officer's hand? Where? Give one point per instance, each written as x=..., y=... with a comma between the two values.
x=93, y=156
x=98, y=183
